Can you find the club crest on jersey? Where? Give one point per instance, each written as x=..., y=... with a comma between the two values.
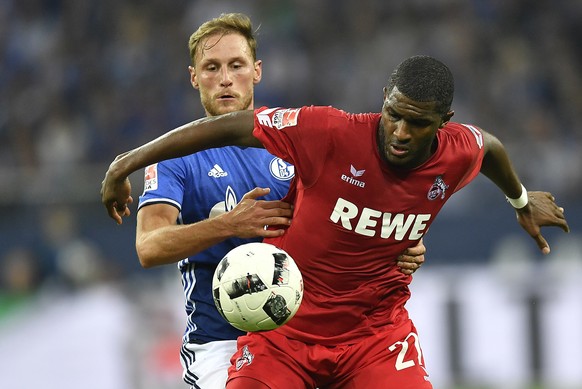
x=150, y=178
x=230, y=201
x=281, y=170
x=285, y=118
x=437, y=189
x=245, y=359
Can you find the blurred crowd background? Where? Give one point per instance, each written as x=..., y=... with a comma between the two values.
x=82, y=81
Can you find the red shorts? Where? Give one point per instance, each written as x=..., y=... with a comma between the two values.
x=389, y=360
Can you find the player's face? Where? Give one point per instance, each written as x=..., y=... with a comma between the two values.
x=225, y=74
x=406, y=137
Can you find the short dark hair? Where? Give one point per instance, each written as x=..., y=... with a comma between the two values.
x=423, y=78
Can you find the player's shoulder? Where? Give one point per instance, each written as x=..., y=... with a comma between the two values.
x=315, y=117
x=339, y=115
x=455, y=127
x=321, y=110
x=333, y=111
x=463, y=131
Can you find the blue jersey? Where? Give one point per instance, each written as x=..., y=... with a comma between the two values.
x=203, y=185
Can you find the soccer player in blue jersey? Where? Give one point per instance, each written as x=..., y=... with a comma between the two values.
x=196, y=208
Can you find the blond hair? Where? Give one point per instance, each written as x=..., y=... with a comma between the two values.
x=230, y=23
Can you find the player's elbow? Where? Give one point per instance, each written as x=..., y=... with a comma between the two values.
x=147, y=256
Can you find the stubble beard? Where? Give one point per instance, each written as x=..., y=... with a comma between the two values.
x=215, y=107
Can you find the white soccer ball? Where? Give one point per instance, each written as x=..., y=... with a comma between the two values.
x=257, y=287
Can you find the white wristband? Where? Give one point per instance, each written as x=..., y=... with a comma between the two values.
x=520, y=202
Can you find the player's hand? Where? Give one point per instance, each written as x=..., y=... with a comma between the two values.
x=412, y=258
x=250, y=217
x=541, y=211
x=116, y=196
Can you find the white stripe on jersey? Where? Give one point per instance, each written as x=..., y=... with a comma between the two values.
x=476, y=133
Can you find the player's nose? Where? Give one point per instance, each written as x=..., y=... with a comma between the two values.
x=225, y=79
x=402, y=132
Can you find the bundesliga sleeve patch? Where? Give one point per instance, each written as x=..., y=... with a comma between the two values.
x=279, y=118
x=285, y=118
x=151, y=178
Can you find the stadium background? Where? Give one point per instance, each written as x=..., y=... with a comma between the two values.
x=81, y=81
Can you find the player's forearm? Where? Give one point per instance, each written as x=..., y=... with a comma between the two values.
x=170, y=145
x=498, y=168
x=170, y=244
x=229, y=129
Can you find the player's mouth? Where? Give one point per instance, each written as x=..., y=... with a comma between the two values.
x=226, y=97
x=398, y=150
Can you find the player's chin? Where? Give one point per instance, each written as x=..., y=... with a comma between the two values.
x=399, y=160
x=223, y=107
x=229, y=105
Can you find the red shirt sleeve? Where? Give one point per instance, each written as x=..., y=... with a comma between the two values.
x=300, y=136
x=471, y=141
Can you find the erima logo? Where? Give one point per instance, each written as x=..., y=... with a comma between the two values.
x=217, y=172
x=355, y=173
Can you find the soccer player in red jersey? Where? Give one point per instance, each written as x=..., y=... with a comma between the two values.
x=183, y=216
x=367, y=186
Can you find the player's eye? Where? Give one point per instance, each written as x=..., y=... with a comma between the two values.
x=394, y=117
x=419, y=123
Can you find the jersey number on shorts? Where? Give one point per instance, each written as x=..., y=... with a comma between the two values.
x=400, y=362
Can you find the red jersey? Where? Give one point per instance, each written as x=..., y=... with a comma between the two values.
x=354, y=214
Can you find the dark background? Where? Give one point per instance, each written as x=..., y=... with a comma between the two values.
x=81, y=82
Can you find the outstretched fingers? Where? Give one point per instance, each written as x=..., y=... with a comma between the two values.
x=557, y=217
x=117, y=212
x=277, y=215
x=542, y=243
x=542, y=211
x=113, y=213
x=116, y=196
x=561, y=219
x=266, y=233
x=256, y=193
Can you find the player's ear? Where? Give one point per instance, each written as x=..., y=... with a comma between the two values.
x=446, y=117
x=193, y=78
x=258, y=71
